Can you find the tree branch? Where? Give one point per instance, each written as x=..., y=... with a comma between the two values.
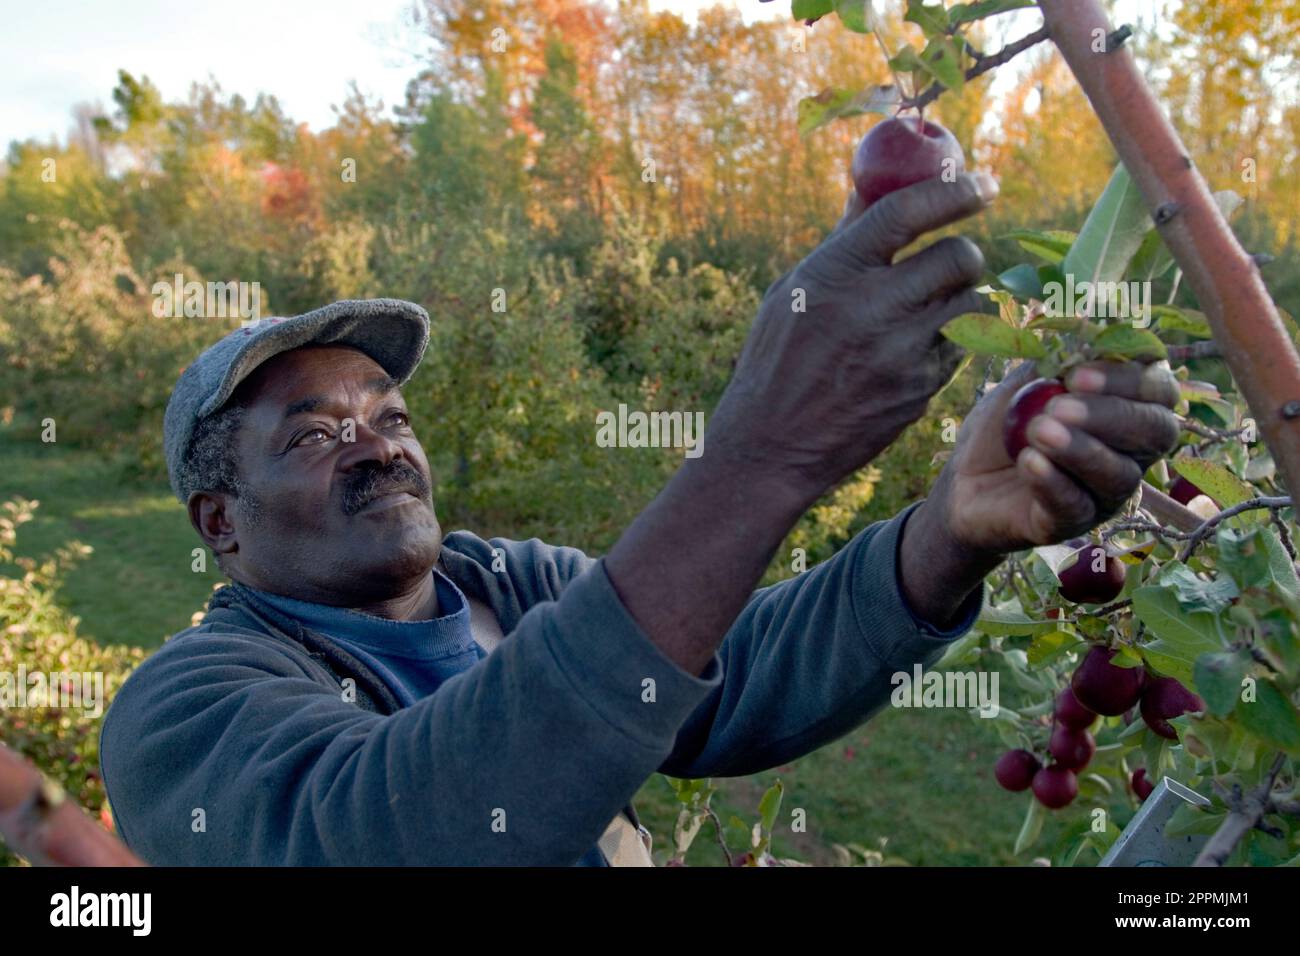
x=1225, y=278
x=38, y=822
x=1247, y=812
x=1168, y=510
x=1201, y=533
x=984, y=63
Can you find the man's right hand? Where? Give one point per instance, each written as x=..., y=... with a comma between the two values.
x=819, y=392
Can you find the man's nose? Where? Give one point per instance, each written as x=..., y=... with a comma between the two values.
x=368, y=445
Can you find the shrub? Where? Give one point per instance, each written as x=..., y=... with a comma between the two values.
x=41, y=637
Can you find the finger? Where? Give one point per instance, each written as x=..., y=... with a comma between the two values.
x=1140, y=382
x=938, y=271
x=1144, y=431
x=1058, y=507
x=1105, y=474
x=896, y=220
x=934, y=316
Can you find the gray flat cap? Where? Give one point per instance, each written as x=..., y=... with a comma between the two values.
x=392, y=332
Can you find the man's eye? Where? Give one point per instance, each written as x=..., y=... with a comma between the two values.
x=399, y=418
x=303, y=438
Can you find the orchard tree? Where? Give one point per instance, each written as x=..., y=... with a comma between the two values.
x=1168, y=644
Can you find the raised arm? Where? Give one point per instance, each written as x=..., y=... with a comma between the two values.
x=844, y=354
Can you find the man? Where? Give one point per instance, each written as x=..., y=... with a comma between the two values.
x=346, y=700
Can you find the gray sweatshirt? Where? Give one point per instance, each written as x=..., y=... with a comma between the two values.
x=252, y=740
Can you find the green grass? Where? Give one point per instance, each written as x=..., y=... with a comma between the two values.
x=138, y=586
x=920, y=780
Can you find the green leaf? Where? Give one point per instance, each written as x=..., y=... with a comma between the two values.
x=1280, y=640
x=942, y=60
x=1112, y=233
x=1124, y=342
x=1215, y=412
x=1023, y=281
x=966, y=12
x=1202, y=392
x=1271, y=717
x=907, y=60
x=1189, y=819
x=811, y=9
x=1218, y=679
x=1050, y=246
x=961, y=652
x=1009, y=619
x=770, y=805
x=933, y=19
x=1153, y=750
x=1255, y=559
x=989, y=335
x=1196, y=593
x=1215, y=480
x=857, y=15
x=1047, y=647
x=1031, y=828
x=1154, y=259
x=738, y=834
x=831, y=104
x=1188, y=321
x=1182, y=636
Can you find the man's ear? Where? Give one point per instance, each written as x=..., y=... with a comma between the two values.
x=211, y=514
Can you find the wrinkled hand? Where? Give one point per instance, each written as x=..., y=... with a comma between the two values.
x=845, y=351
x=1086, y=456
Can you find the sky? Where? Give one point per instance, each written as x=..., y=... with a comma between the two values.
x=59, y=53
x=62, y=52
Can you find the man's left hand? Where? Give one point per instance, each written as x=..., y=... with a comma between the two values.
x=1087, y=454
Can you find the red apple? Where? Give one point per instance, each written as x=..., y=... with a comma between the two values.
x=1055, y=786
x=1141, y=785
x=1101, y=686
x=901, y=151
x=1015, y=770
x=1083, y=583
x=1163, y=698
x=1072, y=748
x=1070, y=713
x=1026, y=405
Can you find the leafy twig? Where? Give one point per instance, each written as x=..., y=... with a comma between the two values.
x=1247, y=810
x=982, y=66
x=1201, y=533
x=717, y=831
x=1150, y=527
x=1208, y=431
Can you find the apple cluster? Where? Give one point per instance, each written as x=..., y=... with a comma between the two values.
x=1097, y=688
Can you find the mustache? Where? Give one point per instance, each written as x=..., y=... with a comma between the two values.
x=365, y=486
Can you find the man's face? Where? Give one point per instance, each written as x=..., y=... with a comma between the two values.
x=341, y=522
